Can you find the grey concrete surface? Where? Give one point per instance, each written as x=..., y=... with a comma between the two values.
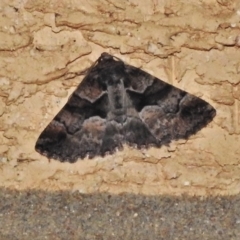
x=67, y=215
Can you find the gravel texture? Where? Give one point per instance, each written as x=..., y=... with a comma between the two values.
x=68, y=215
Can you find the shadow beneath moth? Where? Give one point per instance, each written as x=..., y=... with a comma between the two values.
x=118, y=104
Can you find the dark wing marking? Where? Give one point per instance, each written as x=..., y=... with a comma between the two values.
x=169, y=112
x=77, y=130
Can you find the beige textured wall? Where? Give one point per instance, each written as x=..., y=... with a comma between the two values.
x=193, y=45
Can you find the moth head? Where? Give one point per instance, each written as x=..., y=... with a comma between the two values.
x=105, y=56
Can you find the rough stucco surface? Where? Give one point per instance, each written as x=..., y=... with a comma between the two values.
x=194, y=46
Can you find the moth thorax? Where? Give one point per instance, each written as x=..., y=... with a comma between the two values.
x=117, y=97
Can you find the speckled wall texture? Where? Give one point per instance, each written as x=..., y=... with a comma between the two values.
x=194, y=45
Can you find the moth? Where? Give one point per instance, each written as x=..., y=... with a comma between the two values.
x=118, y=104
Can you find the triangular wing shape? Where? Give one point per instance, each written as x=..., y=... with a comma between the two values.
x=117, y=103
